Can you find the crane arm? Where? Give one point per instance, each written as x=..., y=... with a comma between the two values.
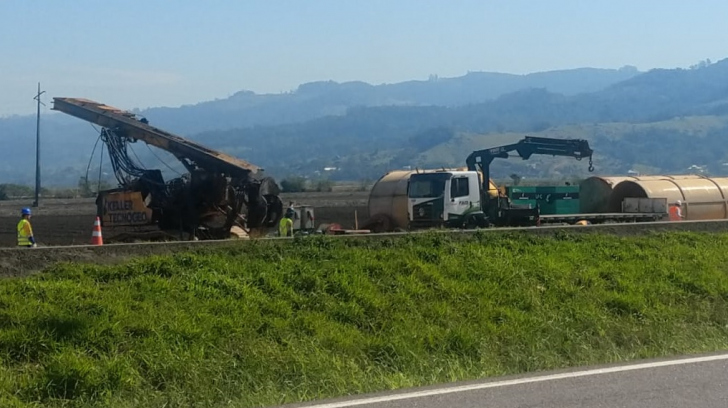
x=125, y=123
x=577, y=148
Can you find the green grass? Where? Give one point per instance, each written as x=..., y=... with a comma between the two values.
x=265, y=324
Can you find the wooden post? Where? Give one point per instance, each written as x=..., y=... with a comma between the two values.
x=356, y=221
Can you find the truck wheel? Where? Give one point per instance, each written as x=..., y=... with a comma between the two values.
x=471, y=222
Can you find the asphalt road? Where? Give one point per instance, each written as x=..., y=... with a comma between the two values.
x=686, y=382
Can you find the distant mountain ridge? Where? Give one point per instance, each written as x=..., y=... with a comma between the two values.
x=323, y=98
x=365, y=129
x=401, y=134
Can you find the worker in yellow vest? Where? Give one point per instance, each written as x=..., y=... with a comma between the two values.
x=25, y=230
x=285, y=227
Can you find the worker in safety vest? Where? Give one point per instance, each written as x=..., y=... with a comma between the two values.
x=25, y=230
x=676, y=211
x=285, y=227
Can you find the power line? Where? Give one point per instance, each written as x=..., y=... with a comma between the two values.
x=88, y=167
x=135, y=155
x=101, y=165
x=158, y=158
x=124, y=167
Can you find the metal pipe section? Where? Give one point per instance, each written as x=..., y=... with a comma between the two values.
x=388, y=197
x=595, y=193
x=703, y=198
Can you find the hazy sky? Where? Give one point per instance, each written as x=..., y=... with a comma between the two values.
x=136, y=54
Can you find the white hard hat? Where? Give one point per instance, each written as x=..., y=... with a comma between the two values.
x=678, y=202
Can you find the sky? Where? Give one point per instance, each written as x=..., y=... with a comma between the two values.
x=139, y=54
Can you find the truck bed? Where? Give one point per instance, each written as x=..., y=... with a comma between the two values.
x=601, y=217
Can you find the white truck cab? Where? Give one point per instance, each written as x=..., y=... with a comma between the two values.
x=442, y=198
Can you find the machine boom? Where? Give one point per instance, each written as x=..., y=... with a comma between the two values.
x=113, y=118
x=220, y=192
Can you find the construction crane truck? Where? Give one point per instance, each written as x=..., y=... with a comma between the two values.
x=220, y=196
x=469, y=199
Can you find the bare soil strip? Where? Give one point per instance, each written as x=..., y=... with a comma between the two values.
x=16, y=262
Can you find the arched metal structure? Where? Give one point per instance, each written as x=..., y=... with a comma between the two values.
x=595, y=193
x=703, y=198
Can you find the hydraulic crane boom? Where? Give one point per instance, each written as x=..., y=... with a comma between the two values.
x=191, y=154
x=577, y=148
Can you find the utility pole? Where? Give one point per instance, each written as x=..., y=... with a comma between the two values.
x=37, y=148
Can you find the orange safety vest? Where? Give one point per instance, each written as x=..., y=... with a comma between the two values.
x=675, y=213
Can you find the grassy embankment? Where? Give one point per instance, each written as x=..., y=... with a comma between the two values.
x=266, y=324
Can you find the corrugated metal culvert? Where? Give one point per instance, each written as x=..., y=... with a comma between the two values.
x=703, y=198
x=595, y=193
x=388, y=197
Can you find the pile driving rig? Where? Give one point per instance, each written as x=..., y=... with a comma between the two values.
x=218, y=197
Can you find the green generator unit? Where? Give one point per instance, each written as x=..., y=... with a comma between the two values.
x=552, y=199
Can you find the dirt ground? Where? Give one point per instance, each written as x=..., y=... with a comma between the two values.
x=70, y=221
x=16, y=262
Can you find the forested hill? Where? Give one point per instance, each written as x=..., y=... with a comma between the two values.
x=368, y=140
x=318, y=99
x=366, y=130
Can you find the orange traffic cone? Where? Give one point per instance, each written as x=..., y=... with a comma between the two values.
x=96, y=238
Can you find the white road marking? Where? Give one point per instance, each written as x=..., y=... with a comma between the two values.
x=575, y=374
